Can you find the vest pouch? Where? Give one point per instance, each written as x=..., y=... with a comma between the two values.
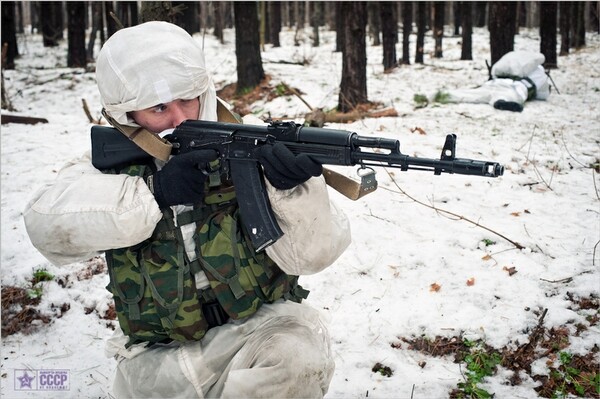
x=241, y=280
x=155, y=299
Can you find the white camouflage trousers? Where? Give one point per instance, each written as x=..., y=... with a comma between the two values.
x=282, y=351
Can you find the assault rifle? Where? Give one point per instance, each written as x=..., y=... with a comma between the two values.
x=235, y=144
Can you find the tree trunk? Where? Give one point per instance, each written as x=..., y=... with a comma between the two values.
x=156, y=11
x=466, y=9
x=353, y=87
x=565, y=27
x=339, y=27
x=388, y=34
x=247, y=46
x=480, y=13
x=315, y=21
x=407, y=11
x=96, y=28
x=421, y=28
x=186, y=14
x=456, y=8
x=502, y=25
x=299, y=17
x=51, y=17
x=594, y=16
x=219, y=22
x=9, y=36
x=522, y=14
x=19, y=28
x=263, y=34
x=76, y=56
x=275, y=22
x=438, y=27
x=111, y=24
x=374, y=22
x=127, y=11
x=548, y=14
x=578, y=24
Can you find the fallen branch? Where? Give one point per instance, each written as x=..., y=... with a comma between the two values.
x=562, y=280
x=295, y=92
x=347, y=117
x=285, y=62
x=86, y=109
x=29, y=120
x=457, y=216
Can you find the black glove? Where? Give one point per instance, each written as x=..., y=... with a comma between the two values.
x=181, y=180
x=283, y=169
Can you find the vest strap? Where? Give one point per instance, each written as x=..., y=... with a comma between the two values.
x=152, y=143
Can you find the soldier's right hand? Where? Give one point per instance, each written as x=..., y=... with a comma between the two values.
x=181, y=180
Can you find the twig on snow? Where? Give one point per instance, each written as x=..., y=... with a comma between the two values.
x=541, y=177
x=457, y=216
x=562, y=280
x=562, y=138
x=595, y=187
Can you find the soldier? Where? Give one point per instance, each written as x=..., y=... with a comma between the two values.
x=517, y=77
x=201, y=313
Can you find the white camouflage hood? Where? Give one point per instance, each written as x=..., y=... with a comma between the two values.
x=149, y=64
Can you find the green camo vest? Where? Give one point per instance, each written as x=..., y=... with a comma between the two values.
x=153, y=285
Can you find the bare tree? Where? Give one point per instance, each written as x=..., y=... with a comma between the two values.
x=421, y=29
x=316, y=17
x=127, y=11
x=353, y=87
x=456, y=10
x=111, y=24
x=9, y=36
x=594, y=16
x=548, y=15
x=77, y=55
x=219, y=21
x=389, y=32
x=247, y=46
x=466, y=9
x=578, y=25
x=438, y=27
x=339, y=27
x=187, y=15
x=502, y=25
x=97, y=27
x=565, y=27
x=275, y=22
x=373, y=22
x=52, y=22
x=407, y=10
x=480, y=13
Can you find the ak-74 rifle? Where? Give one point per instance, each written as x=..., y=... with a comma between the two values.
x=235, y=144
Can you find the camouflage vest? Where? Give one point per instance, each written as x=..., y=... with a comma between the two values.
x=153, y=284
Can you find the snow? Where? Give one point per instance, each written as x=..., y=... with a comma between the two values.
x=380, y=288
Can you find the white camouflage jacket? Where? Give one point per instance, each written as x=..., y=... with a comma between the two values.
x=85, y=212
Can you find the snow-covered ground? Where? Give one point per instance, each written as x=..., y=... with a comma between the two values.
x=380, y=290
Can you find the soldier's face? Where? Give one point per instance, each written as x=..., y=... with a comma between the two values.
x=167, y=116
